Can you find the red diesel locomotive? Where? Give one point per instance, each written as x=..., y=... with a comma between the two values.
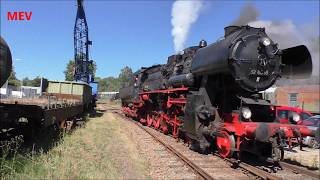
x=208, y=95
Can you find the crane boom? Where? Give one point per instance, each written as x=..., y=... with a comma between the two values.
x=83, y=72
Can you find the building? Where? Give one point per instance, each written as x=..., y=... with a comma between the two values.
x=8, y=91
x=107, y=95
x=303, y=96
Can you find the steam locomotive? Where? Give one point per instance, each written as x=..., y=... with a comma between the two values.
x=209, y=94
x=5, y=61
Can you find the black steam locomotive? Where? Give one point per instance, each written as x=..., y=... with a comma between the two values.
x=209, y=93
x=5, y=62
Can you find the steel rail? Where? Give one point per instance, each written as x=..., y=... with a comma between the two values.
x=251, y=169
x=247, y=167
x=193, y=166
x=196, y=168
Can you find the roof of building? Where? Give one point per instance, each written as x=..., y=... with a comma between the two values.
x=300, y=88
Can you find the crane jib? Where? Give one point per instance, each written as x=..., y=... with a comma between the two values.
x=83, y=66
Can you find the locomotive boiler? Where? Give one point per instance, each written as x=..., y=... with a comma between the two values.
x=209, y=94
x=5, y=61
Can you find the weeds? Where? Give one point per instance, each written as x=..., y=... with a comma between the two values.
x=99, y=151
x=11, y=161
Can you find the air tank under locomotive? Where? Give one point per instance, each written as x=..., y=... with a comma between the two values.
x=5, y=61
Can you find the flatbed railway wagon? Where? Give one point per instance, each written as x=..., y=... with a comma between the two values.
x=61, y=104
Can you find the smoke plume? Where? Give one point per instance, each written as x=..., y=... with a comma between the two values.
x=248, y=14
x=285, y=32
x=183, y=15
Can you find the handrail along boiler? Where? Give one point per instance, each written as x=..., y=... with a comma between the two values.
x=208, y=95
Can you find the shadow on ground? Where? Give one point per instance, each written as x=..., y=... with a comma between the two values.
x=96, y=113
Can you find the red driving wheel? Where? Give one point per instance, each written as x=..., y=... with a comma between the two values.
x=143, y=121
x=225, y=144
x=175, y=130
x=149, y=120
x=156, y=122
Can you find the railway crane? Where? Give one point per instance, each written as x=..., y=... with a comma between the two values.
x=81, y=47
x=83, y=66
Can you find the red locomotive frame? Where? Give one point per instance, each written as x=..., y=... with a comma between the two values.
x=232, y=136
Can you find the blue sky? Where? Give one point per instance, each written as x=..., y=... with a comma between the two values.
x=132, y=33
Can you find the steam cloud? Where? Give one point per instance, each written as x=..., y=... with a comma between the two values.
x=285, y=32
x=248, y=14
x=183, y=15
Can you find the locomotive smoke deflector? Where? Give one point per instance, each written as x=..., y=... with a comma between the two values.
x=250, y=56
x=297, y=62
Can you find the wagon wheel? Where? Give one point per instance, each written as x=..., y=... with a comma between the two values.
x=63, y=124
x=225, y=144
x=149, y=120
x=69, y=124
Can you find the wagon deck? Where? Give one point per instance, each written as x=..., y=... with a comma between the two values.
x=44, y=112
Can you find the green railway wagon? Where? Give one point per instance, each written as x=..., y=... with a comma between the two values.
x=78, y=91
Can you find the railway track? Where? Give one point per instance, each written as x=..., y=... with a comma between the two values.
x=214, y=167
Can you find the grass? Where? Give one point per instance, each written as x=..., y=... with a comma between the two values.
x=100, y=150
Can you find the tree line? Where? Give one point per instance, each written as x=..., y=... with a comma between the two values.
x=14, y=81
x=106, y=84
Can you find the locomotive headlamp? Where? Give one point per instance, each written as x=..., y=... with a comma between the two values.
x=266, y=41
x=246, y=113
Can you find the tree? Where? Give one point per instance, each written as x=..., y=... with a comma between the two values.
x=108, y=84
x=36, y=82
x=26, y=81
x=114, y=83
x=69, y=72
x=13, y=80
x=125, y=76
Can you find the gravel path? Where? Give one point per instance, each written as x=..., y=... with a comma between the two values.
x=163, y=164
x=307, y=157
